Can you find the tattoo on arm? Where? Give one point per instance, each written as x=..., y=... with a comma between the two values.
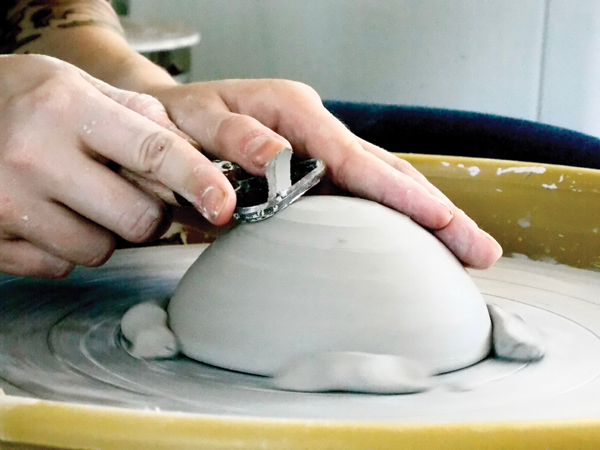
x=24, y=21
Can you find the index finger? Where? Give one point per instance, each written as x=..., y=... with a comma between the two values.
x=144, y=147
x=321, y=135
x=460, y=234
x=296, y=112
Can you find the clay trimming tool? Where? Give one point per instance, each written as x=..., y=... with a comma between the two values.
x=259, y=198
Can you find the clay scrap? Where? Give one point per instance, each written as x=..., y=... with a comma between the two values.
x=513, y=338
x=145, y=328
x=354, y=372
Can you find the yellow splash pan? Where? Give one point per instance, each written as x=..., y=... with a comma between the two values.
x=542, y=212
x=545, y=212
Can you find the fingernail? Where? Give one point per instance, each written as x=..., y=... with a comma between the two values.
x=212, y=201
x=491, y=238
x=444, y=204
x=487, y=236
x=259, y=150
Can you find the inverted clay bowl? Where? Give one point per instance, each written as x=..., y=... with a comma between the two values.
x=329, y=274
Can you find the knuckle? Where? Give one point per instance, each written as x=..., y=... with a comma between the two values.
x=153, y=150
x=143, y=104
x=403, y=166
x=20, y=157
x=43, y=268
x=232, y=123
x=140, y=223
x=102, y=250
x=8, y=210
x=52, y=96
x=143, y=101
x=342, y=172
x=56, y=271
x=305, y=91
x=234, y=126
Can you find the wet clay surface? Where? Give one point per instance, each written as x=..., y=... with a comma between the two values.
x=61, y=341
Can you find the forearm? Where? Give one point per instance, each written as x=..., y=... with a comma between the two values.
x=86, y=33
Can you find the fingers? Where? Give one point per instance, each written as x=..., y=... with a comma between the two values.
x=369, y=177
x=239, y=138
x=21, y=258
x=139, y=145
x=228, y=135
x=67, y=236
x=112, y=202
x=143, y=104
x=373, y=173
x=366, y=175
x=153, y=186
x=405, y=167
x=151, y=108
x=473, y=246
x=314, y=132
x=53, y=238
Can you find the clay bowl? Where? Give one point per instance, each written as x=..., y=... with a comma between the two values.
x=329, y=274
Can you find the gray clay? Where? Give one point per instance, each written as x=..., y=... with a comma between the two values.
x=329, y=274
x=158, y=342
x=513, y=338
x=141, y=316
x=354, y=372
x=145, y=327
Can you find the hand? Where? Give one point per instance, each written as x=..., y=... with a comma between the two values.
x=60, y=204
x=249, y=121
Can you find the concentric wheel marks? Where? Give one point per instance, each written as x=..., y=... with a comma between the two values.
x=60, y=340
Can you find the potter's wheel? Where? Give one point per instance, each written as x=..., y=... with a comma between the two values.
x=60, y=341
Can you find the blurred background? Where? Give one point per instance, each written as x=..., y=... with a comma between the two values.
x=530, y=59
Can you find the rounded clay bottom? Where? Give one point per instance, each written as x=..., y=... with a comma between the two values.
x=329, y=274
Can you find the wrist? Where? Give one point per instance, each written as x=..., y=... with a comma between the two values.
x=118, y=64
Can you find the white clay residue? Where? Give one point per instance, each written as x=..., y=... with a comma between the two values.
x=549, y=260
x=445, y=164
x=550, y=186
x=525, y=222
x=145, y=327
x=519, y=256
x=354, y=372
x=473, y=170
x=513, y=338
x=534, y=169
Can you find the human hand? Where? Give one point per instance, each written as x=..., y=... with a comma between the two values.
x=249, y=121
x=60, y=204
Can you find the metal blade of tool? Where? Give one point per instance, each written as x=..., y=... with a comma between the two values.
x=259, y=198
